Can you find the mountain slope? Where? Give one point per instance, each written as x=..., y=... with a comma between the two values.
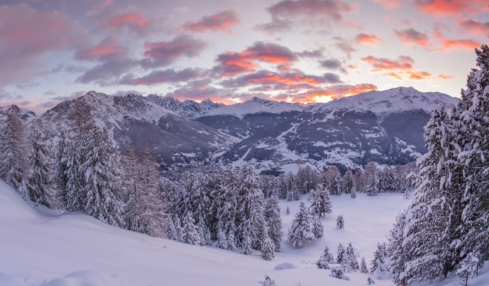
x=134, y=119
x=382, y=126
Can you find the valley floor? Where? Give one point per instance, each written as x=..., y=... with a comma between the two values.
x=44, y=247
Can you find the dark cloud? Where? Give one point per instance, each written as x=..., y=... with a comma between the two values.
x=333, y=64
x=223, y=21
x=159, y=54
x=164, y=76
x=276, y=26
x=346, y=48
x=411, y=37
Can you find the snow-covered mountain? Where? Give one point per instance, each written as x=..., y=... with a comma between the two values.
x=381, y=126
x=389, y=101
x=133, y=119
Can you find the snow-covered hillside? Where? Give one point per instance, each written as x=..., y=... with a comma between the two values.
x=255, y=105
x=388, y=101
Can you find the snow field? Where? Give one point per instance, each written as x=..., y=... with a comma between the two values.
x=39, y=246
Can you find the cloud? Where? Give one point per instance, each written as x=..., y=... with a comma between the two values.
x=455, y=44
x=288, y=79
x=106, y=48
x=283, y=12
x=365, y=39
x=394, y=75
x=311, y=54
x=222, y=21
x=327, y=93
x=419, y=75
x=232, y=63
x=310, y=8
x=164, y=76
x=477, y=28
x=451, y=7
x=346, y=48
x=445, y=77
x=200, y=90
x=333, y=64
x=24, y=40
x=276, y=26
x=390, y=4
x=383, y=64
x=159, y=54
x=411, y=37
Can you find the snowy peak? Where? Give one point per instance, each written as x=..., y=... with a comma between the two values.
x=26, y=115
x=388, y=101
x=255, y=105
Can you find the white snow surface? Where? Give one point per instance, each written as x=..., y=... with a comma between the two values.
x=388, y=101
x=43, y=247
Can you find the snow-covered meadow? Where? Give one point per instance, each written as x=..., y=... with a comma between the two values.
x=43, y=247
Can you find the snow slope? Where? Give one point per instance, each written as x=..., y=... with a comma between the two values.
x=255, y=105
x=44, y=247
x=388, y=101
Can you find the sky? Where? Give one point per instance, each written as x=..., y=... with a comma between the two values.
x=230, y=51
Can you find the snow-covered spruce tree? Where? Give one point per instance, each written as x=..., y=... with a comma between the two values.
x=274, y=221
x=396, y=252
x=190, y=233
x=320, y=201
x=325, y=259
x=331, y=178
x=72, y=196
x=287, y=210
x=473, y=109
x=14, y=152
x=171, y=231
x=231, y=245
x=347, y=182
x=267, y=250
x=340, y=256
x=433, y=217
x=222, y=241
x=317, y=226
x=103, y=175
x=372, y=186
x=340, y=222
x=267, y=282
x=370, y=281
x=353, y=193
x=363, y=266
x=338, y=272
x=301, y=228
x=379, y=265
x=350, y=259
x=60, y=178
x=179, y=228
x=41, y=188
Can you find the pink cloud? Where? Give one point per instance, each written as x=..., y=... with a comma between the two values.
x=477, y=28
x=107, y=47
x=451, y=7
x=383, y=64
x=26, y=35
x=456, y=44
x=222, y=21
x=365, y=39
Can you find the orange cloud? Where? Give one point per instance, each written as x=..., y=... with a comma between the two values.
x=365, y=39
x=327, y=94
x=445, y=77
x=422, y=75
x=394, y=75
x=222, y=21
x=383, y=64
x=451, y=7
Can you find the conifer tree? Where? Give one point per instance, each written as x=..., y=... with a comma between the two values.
x=103, y=176
x=40, y=186
x=231, y=242
x=317, y=226
x=350, y=260
x=301, y=228
x=363, y=266
x=372, y=186
x=379, y=266
x=171, y=231
x=287, y=210
x=14, y=152
x=320, y=201
x=73, y=196
x=340, y=256
x=340, y=222
x=267, y=250
x=325, y=259
x=347, y=182
x=274, y=221
x=60, y=176
x=395, y=251
x=190, y=233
